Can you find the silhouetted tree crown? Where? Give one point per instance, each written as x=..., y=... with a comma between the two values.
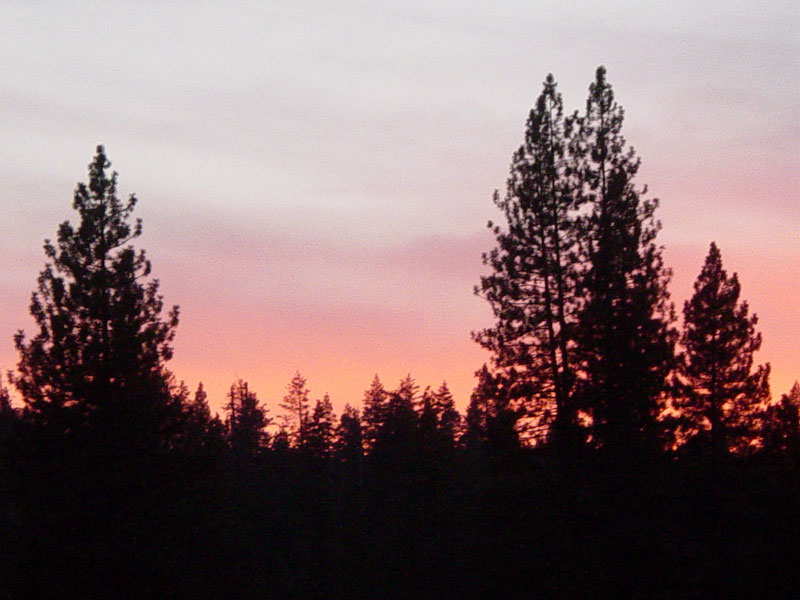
x=578, y=287
x=321, y=428
x=375, y=407
x=246, y=422
x=349, y=442
x=722, y=396
x=102, y=341
x=625, y=338
x=782, y=424
x=296, y=406
x=439, y=421
x=448, y=419
x=490, y=421
x=396, y=438
x=199, y=431
x=8, y=417
x=532, y=286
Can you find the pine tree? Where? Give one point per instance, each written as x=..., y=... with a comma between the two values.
x=490, y=420
x=439, y=421
x=349, y=448
x=98, y=359
x=625, y=339
x=375, y=409
x=349, y=445
x=722, y=393
x=405, y=396
x=8, y=418
x=199, y=405
x=782, y=424
x=477, y=417
x=101, y=411
x=321, y=428
x=200, y=431
x=532, y=284
x=428, y=422
x=397, y=437
x=449, y=419
x=295, y=403
x=246, y=422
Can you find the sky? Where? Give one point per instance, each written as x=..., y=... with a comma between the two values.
x=315, y=178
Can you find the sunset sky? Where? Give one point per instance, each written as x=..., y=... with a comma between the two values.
x=315, y=177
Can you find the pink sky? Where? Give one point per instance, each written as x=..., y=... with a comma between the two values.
x=315, y=180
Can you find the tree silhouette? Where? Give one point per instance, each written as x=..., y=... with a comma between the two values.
x=321, y=428
x=199, y=404
x=8, y=420
x=246, y=422
x=532, y=287
x=428, y=422
x=198, y=414
x=375, y=410
x=295, y=403
x=197, y=430
x=439, y=421
x=349, y=451
x=721, y=396
x=396, y=440
x=8, y=413
x=98, y=357
x=490, y=421
x=406, y=394
x=103, y=420
x=349, y=445
x=782, y=424
x=625, y=339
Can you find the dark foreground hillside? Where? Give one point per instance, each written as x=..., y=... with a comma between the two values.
x=205, y=523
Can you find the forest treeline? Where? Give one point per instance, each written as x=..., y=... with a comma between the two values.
x=604, y=453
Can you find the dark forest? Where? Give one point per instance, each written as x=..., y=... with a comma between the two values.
x=609, y=449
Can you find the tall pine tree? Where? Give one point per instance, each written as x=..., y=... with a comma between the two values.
x=449, y=420
x=532, y=284
x=375, y=403
x=98, y=358
x=296, y=405
x=723, y=396
x=101, y=411
x=246, y=422
x=349, y=441
x=625, y=339
x=321, y=428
